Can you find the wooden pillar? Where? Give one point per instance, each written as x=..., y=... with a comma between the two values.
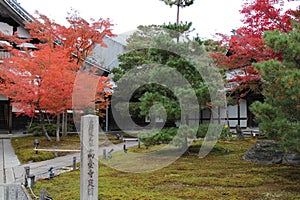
x=201, y=116
x=106, y=118
x=9, y=116
x=239, y=113
x=219, y=115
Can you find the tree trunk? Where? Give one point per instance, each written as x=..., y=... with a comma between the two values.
x=57, y=127
x=177, y=22
x=66, y=124
x=43, y=126
x=62, y=123
x=31, y=121
x=185, y=142
x=48, y=119
x=177, y=17
x=187, y=118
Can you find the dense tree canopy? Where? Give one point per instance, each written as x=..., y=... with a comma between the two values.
x=41, y=80
x=246, y=46
x=280, y=113
x=263, y=57
x=166, y=54
x=166, y=79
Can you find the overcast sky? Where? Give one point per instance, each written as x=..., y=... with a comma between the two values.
x=208, y=16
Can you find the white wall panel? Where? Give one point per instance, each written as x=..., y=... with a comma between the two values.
x=243, y=109
x=232, y=111
x=3, y=98
x=6, y=29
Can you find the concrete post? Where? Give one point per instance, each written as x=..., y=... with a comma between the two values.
x=89, y=157
x=31, y=179
x=27, y=172
x=104, y=154
x=43, y=195
x=74, y=163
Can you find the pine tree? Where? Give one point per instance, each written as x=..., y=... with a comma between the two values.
x=280, y=113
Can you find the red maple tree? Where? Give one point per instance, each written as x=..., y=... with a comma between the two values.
x=246, y=45
x=41, y=81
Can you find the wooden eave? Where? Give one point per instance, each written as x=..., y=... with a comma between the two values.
x=16, y=12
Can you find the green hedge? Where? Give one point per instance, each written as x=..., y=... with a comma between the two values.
x=176, y=135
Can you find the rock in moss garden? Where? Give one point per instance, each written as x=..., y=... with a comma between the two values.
x=269, y=152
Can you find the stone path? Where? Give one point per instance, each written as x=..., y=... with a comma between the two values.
x=9, y=163
x=40, y=169
x=12, y=172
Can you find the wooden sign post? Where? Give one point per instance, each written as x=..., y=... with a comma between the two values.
x=89, y=157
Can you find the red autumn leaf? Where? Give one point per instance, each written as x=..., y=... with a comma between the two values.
x=247, y=45
x=43, y=80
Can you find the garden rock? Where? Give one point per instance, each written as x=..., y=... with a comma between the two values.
x=269, y=152
x=292, y=158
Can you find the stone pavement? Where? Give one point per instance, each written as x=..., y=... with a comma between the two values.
x=8, y=162
x=12, y=172
x=59, y=164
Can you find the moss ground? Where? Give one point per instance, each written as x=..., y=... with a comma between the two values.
x=24, y=147
x=220, y=175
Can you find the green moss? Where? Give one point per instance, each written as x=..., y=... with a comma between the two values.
x=28, y=155
x=24, y=147
x=218, y=176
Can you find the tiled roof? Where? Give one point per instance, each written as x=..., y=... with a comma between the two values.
x=18, y=10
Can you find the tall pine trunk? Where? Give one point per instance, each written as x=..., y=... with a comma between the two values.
x=177, y=22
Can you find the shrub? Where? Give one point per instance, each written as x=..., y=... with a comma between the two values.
x=167, y=135
x=148, y=137
x=177, y=135
x=184, y=133
x=37, y=129
x=203, y=128
x=155, y=136
x=225, y=134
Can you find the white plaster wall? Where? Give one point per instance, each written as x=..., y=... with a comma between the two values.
x=6, y=29
x=243, y=108
x=232, y=111
x=23, y=33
